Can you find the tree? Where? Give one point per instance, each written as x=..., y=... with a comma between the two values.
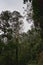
x=16, y=30
x=12, y=31
x=4, y=17
x=38, y=14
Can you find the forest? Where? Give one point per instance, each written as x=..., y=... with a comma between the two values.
x=17, y=47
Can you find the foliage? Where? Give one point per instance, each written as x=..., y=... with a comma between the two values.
x=38, y=14
x=25, y=48
x=29, y=48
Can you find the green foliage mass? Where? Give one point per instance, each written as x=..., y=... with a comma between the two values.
x=38, y=14
x=27, y=48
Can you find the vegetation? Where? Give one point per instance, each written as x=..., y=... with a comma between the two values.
x=21, y=48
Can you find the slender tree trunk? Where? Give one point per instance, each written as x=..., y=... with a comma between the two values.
x=16, y=51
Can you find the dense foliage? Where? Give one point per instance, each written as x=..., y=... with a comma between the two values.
x=38, y=14
x=25, y=48
x=30, y=49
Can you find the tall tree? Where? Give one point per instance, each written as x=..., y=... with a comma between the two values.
x=15, y=20
x=17, y=23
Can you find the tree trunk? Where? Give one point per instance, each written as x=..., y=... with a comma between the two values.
x=16, y=51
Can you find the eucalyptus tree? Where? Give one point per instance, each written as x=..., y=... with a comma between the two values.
x=11, y=22
x=16, y=17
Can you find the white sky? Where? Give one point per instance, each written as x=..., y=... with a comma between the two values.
x=14, y=5
x=11, y=5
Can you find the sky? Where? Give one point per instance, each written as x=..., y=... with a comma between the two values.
x=13, y=5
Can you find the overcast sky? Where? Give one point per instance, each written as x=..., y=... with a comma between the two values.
x=14, y=5
x=11, y=5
